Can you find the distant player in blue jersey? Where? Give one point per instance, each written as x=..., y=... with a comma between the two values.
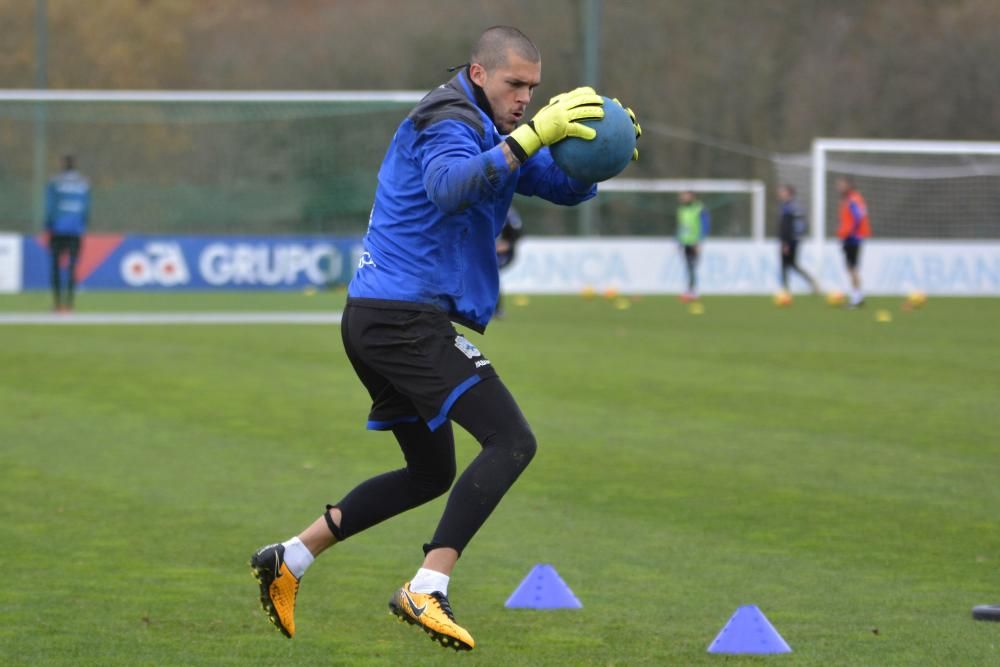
x=444, y=190
x=67, y=210
x=791, y=226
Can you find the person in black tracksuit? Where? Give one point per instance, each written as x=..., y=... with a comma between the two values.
x=791, y=225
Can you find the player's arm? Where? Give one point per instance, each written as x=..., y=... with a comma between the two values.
x=457, y=174
x=541, y=177
x=857, y=215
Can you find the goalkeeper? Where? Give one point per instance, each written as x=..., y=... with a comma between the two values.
x=429, y=259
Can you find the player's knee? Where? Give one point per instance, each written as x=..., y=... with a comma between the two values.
x=523, y=446
x=436, y=481
x=442, y=480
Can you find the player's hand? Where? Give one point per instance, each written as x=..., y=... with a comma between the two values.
x=635, y=123
x=558, y=120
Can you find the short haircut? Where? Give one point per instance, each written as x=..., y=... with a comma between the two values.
x=790, y=188
x=492, y=47
x=847, y=181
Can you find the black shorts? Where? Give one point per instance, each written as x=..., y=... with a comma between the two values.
x=60, y=243
x=410, y=359
x=851, y=253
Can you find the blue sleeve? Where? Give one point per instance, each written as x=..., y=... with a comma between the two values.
x=857, y=215
x=457, y=173
x=541, y=177
x=706, y=222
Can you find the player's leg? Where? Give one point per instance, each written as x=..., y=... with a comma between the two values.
x=429, y=472
x=490, y=414
x=55, y=253
x=793, y=255
x=690, y=262
x=852, y=252
x=73, y=249
x=694, y=269
x=785, y=262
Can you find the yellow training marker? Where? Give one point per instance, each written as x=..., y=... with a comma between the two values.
x=836, y=298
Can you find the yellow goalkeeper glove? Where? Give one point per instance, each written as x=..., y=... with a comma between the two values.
x=635, y=123
x=556, y=121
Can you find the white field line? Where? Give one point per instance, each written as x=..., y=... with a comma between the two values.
x=69, y=319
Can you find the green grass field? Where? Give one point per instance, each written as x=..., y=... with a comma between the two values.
x=842, y=474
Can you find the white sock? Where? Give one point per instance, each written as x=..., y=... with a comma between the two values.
x=856, y=296
x=429, y=581
x=297, y=557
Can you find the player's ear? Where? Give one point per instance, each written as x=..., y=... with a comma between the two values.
x=478, y=74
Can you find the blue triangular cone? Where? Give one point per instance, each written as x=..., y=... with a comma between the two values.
x=749, y=631
x=543, y=588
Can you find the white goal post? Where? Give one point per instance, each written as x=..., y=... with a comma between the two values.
x=755, y=189
x=970, y=169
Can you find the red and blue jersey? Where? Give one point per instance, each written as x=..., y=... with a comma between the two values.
x=854, y=224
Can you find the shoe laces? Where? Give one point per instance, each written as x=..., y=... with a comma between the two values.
x=442, y=601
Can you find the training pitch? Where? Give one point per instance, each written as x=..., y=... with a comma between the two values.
x=841, y=473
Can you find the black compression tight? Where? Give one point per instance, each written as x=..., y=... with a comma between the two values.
x=490, y=414
x=429, y=472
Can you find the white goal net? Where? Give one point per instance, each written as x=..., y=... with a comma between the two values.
x=914, y=189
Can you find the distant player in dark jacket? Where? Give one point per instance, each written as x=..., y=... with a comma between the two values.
x=511, y=233
x=67, y=211
x=791, y=226
x=444, y=190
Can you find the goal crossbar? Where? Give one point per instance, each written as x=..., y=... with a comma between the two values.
x=210, y=96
